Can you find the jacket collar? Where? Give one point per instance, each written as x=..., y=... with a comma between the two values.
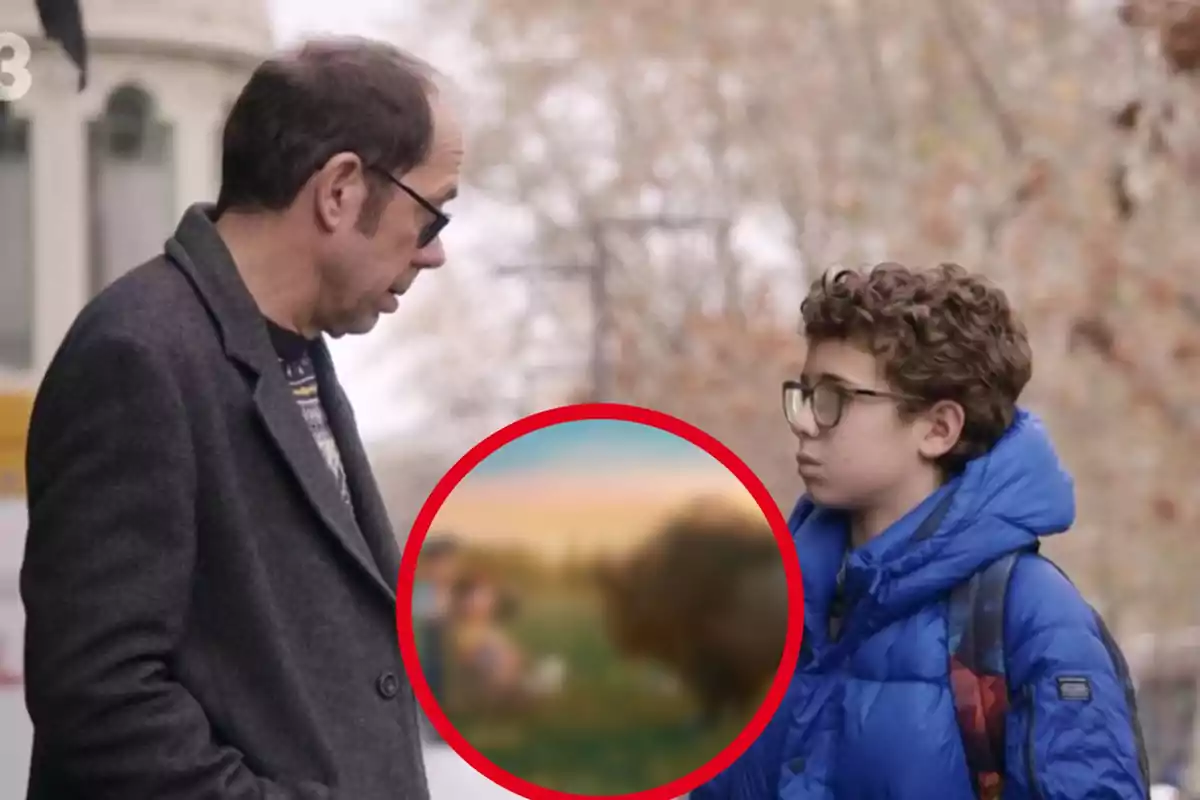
x=199, y=252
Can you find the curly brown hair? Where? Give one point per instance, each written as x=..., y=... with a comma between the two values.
x=937, y=334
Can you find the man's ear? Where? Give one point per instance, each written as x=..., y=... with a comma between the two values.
x=942, y=428
x=339, y=191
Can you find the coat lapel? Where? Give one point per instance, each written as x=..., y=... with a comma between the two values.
x=373, y=520
x=247, y=341
x=283, y=420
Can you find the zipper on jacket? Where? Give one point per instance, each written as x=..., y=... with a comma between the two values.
x=1035, y=790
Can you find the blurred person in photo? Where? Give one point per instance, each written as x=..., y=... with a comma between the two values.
x=923, y=476
x=493, y=669
x=433, y=590
x=491, y=663
x=209, y=576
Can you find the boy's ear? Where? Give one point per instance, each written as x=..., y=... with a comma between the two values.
x=942, y=429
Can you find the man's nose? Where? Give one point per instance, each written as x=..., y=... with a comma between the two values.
x=431, y=256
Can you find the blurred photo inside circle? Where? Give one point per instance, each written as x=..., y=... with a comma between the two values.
x=600, y=607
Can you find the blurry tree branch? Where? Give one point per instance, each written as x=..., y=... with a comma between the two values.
x=1007, y=127
x=850, y=131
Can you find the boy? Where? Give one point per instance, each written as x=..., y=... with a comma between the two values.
x=921, y=471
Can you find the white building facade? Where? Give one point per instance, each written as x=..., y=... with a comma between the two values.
x=91, y=184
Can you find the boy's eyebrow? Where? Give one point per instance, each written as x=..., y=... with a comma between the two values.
x=824, y=376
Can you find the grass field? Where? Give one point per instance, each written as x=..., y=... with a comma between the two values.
x=611, y=731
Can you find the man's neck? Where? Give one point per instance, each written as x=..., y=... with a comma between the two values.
x=273, y=267
x=868, y=523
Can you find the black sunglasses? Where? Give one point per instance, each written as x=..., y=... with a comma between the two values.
x=435, y=226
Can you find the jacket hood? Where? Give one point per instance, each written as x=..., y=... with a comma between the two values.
x=1004, y=501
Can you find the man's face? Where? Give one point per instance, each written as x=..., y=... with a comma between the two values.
x=364, y=272
x=443, y=569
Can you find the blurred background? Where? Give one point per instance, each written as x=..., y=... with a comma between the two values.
x=650, y=188
x=600, y=607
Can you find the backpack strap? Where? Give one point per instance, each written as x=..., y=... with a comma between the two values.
x=977, y=672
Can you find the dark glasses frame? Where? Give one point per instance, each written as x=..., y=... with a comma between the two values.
x=807, y=395
x=431, y=229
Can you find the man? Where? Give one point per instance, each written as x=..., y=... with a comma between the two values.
x=436, y=576
x=922, y=471
x=209, y=578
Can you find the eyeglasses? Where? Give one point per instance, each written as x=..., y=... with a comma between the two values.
x=434, y=227
x=827, y=400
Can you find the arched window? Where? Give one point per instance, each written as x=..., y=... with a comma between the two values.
x=16, y=233
x=132, y=201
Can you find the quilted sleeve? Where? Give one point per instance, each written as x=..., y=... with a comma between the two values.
x=1073, y=732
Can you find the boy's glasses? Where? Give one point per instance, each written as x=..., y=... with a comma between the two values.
x=828, y=401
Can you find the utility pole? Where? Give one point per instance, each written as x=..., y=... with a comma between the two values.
x=600, y=292
x=598, y=275
x=569, y=272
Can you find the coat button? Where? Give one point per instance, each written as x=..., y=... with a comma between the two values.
x=388, y=685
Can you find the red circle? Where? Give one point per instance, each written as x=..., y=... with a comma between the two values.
x=577, y=413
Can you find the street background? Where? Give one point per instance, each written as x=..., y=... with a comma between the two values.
x=650, y=190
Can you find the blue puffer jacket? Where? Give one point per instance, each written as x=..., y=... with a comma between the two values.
x=871, y=717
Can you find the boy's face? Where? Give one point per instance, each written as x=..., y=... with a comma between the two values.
x=871, y=450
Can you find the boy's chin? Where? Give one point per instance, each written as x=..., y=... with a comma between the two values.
x=820, y=493
x=826, y=496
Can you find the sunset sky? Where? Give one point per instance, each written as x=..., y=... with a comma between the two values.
x=592, y=487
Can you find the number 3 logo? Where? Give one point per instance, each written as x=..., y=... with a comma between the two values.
x=15, y=79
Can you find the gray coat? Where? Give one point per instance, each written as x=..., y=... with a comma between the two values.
x=205, y=616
